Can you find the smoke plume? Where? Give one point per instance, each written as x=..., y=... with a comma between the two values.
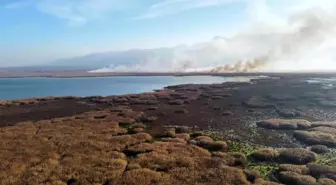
x=305, y=41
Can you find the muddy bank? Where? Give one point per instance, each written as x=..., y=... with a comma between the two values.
x=230, y=108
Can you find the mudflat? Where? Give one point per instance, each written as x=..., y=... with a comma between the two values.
x=268, y=131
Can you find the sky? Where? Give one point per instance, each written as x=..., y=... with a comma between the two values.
x=39, y=31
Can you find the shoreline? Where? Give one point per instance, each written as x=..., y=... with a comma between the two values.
x=105, y=87
x=85, y=74
x=227, y=131
x=232, y=98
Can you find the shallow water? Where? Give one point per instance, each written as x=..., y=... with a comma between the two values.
x=326, y=83
x=18, y=88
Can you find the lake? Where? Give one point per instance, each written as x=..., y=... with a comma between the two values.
x=19, y=88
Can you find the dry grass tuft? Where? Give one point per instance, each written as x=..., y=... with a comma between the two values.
x=208, y=143
x=299, y=169
x=136, y=130
x=92, y=148
x=162, y=162
x=317, y=170
x=261, y=181
x=266, y=154
x=197, y=133
x=252, y=175
x=203, y=141
x=297, y=155
x=284, y=124
x=182, y=129
x=326, y=181
x=294, y=178
x=143, y=177
x=319, y=149
x=83, y=147
x=218, y=146
x=133, y=166
x=185, y=137
x=316, y=137
x=169, y=133
x=179, y=140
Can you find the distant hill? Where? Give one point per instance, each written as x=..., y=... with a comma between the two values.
x=217, y=52
x=116, y=58
x=173, y=59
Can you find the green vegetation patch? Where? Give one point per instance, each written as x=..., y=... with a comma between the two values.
x=327, y=158
x=265, y=169
x=214, y=135
x=241, y=147
x=234, y=146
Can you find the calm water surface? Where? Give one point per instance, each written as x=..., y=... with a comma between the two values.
x=18, y=88
x=326, y=83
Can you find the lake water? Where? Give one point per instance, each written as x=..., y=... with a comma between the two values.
x=19, y=88
x=326, y=83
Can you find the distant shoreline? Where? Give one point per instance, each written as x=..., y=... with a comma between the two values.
x=86, y=74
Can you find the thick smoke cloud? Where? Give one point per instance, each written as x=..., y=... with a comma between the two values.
x=306, y=41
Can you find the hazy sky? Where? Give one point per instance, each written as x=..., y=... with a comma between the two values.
x=38, y=31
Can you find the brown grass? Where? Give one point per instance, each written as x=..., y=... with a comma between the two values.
x=285, y=124
x=97, y=148
x=184, y=136
x=252, y=175
x=263, y=182
x=319, y=149
x=169, y=133
x=297, y=156
x=317, y=170
x=266, y=154
x=294, y=178
x=209, y=144
x=182, y=129
x=316, y=137
x=324, y=124
x=326, y=181
x=162, y=162
x=143, y=177
x=299, y=169
x=179, y=140
x=328, y=130
x=83, y=147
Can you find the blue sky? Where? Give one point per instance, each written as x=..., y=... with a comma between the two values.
x=39, y=31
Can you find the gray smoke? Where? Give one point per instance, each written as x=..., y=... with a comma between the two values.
x=305, y=42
